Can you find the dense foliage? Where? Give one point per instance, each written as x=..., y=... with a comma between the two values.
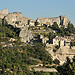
x=16, y=60
x=64, y=31
x=68, y=68
x=8, y=31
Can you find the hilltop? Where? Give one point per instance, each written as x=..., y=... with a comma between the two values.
x=28, y=46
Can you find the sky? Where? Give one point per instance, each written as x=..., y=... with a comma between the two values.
x=41, y=8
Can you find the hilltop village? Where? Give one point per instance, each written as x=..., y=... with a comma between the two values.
x=56, y=35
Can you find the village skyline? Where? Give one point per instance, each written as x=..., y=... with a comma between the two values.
x=43, y=8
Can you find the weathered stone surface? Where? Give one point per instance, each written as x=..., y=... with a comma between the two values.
x=43, y=69
x=61, y=21
x=25, y=34
x=32, y=22
x=18, y=21
x=49, y=21
x=3, y=13
x=61, y=53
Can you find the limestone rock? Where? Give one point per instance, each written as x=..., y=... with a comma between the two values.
x=15, y=19
x=61, y=20
x=49, y=21
x=25, y=34
x=61, y=53
x=3, y=13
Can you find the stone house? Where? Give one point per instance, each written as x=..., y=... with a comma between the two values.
x=61, y=41
x=44, y=40
x=32, y=22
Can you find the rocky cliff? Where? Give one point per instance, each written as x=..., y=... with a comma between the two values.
x=61, y=21
x=15, y=19
x=25, y=34
x=61, y=53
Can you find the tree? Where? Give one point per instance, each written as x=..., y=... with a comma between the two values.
x=36, y=23
x=51, y=35
x=56, y=61
x=55, y=26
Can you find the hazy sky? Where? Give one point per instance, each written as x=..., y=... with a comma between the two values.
x=41, y=8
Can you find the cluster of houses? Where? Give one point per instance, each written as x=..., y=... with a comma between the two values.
x=60, y=41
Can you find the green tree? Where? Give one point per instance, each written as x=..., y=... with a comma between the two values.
x=55, y=26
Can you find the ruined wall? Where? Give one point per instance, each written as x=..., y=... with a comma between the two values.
x=61, y=21
x=49, y=21
x=16, y=19
x=3, y=13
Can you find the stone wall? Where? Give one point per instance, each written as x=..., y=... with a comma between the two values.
x=16, y=19
x=61, y=21
x=4, y=11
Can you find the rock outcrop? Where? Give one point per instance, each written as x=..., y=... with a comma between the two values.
x=15, y=19
x=3, y=13
x=25, y=34
x=61, y=53
x=61, y=21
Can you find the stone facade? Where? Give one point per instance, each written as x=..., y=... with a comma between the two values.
x=4, y=11
x=32, y=22
x=61, y=41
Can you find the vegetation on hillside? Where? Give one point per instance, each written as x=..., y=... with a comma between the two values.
x=15, y=60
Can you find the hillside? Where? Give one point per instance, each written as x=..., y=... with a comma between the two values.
x=45, y=46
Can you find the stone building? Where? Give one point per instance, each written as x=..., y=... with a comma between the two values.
x=32, y=22
x=61, y=41
x=44, y=39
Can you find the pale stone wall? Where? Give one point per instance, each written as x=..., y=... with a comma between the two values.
x=55, y=42
x=61, y=21
x=44, y=69
x=48, y=21
x=61, y=41
x=16, y=19
x=4, y=11
x=64, y=21
x=73, y=47
x=44, y=40
x=25, y=34
x=32, y=22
